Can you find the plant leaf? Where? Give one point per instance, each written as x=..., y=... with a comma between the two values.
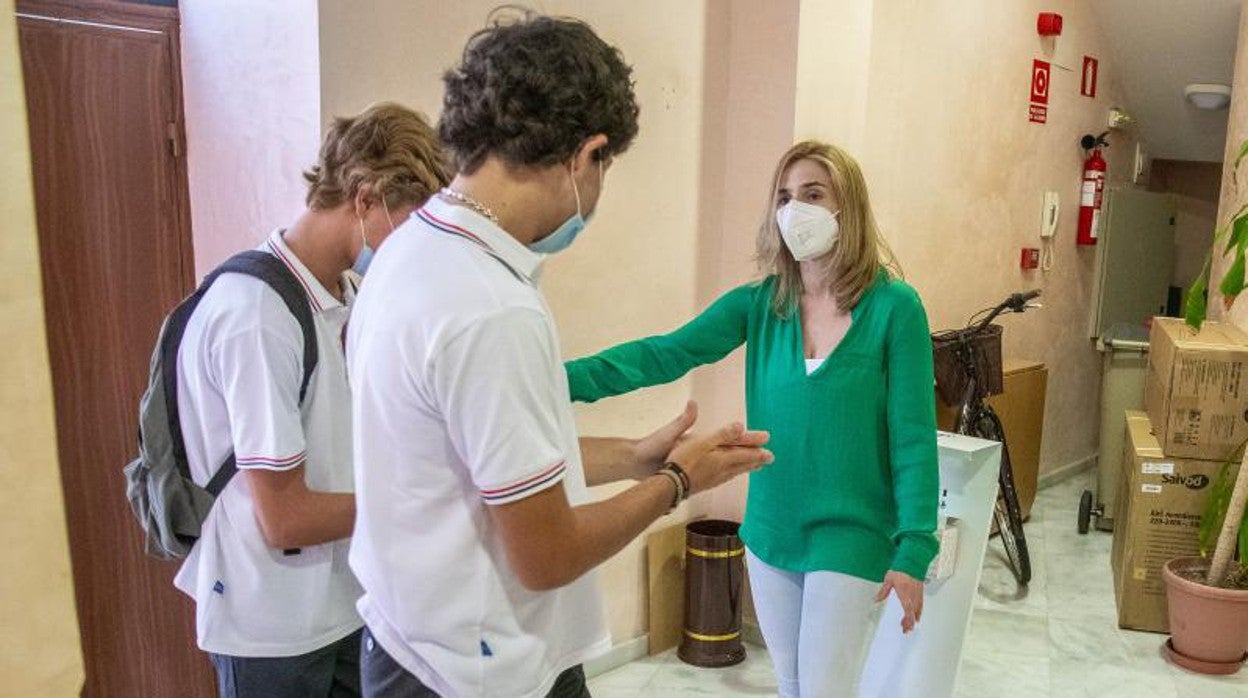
x=1239, y=230
x=1197, y=305
x=1233, y=282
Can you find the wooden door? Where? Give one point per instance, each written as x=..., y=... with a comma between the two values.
x=104, y=103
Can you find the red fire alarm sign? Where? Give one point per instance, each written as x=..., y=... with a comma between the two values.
x=1088, y=87
x=1031, y=258
x=1039, y=82
x=1040, y=72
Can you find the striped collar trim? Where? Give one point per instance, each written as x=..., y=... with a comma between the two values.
x=471, y=226
x=320, y=298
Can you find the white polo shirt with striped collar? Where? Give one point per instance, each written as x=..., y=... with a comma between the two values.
x=240, y=366
x=461, y=403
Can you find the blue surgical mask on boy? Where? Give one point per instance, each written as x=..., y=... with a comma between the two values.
x=365, y=257
x=563, y=236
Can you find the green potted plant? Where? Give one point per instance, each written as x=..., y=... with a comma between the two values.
x=1208, y=595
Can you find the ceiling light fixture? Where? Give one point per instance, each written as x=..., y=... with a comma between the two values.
x=1208, y=95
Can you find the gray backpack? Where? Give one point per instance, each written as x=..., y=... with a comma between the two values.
x=168, y=504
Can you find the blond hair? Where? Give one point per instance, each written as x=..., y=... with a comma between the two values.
x=860, y=252
x=388, y=148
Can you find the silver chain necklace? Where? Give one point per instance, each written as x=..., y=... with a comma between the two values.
x=472, y=204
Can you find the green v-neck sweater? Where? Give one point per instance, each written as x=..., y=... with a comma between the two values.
x=853, y=488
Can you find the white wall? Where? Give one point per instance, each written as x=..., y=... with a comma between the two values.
x=251, y=85
x=833, y=81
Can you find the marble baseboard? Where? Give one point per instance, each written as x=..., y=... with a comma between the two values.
x=618, y=656
x=1065, y=472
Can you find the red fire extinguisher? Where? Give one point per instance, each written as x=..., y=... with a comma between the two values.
x=1093, y=191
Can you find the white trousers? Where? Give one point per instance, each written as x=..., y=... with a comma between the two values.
x=818, y=627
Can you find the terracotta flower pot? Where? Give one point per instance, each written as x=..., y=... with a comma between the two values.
x=1208, y=625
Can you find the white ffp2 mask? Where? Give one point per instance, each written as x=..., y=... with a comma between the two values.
x=808, y=230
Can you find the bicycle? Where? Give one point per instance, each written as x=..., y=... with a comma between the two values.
x=968, y=370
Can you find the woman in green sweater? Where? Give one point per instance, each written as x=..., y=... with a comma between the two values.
x=839, y=370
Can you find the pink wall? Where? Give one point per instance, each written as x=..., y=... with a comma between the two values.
x=932, y=100
x=251, y=84
x=747, y=125
x=957, y=173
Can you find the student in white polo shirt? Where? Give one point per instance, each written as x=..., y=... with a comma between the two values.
x=475, y=538
x=275, y=597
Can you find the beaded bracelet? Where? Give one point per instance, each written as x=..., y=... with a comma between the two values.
x=680, y=472
x=680, y=487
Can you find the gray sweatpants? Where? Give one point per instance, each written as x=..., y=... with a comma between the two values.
x=385, y=678
x=330, y=672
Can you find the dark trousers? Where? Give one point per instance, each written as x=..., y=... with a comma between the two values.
x=332, y=672
x=382, y=677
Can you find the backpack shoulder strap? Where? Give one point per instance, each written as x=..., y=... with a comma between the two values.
x=281, y=279
x=273, y=272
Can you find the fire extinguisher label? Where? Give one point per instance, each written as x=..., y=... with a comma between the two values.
x=1096, y=224
x=1089, y=193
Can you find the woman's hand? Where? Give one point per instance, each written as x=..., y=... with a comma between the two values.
x=909, y=592
x=711, y=460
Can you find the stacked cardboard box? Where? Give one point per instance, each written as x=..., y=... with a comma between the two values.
x=1196, y=398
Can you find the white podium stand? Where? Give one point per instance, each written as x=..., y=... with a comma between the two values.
x=924, y=664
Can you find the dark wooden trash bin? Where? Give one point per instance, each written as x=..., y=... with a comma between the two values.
x=714, y=583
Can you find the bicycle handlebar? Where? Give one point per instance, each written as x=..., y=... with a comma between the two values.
x=1017, y=302
x=1026, y=296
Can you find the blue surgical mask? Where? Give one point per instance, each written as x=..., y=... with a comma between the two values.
x=563, y=236
x=364, y=259
x=366, y=251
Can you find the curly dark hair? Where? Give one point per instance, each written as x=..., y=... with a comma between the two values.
x=531, y=88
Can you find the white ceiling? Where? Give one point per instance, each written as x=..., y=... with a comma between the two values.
x=1160, y=46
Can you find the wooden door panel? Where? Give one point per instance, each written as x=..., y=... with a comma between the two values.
x=115, y=253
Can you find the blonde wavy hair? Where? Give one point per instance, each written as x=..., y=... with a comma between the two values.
x=388, y=148
x=860, y=252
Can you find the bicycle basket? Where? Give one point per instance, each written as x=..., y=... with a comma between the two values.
x=984, y=348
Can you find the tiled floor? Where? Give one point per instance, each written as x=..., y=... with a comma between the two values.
x=1059, y=638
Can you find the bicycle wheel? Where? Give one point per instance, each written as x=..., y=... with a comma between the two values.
x=1008, y=513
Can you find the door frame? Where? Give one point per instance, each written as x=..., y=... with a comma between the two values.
x=153, y=18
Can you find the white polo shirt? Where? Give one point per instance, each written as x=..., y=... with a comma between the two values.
x=240, y=366
x=461, y=402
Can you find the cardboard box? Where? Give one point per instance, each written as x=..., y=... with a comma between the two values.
x=1160, y=503
x=1021, y=409
x=1196, y=392
x=665, y=554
